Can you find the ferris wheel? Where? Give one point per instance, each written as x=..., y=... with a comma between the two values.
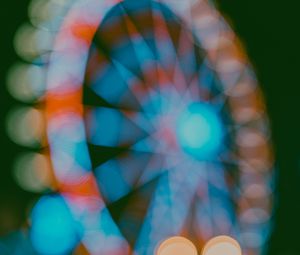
x=156, y=127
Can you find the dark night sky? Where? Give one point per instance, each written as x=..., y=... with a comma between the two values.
x=269, y=31
x=12, y=199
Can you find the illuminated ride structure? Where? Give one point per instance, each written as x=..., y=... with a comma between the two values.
x=156, y=128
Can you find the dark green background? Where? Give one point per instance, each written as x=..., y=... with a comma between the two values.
x=268, y=30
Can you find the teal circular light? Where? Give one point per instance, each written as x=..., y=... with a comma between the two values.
x=199, y=131
x=53, y=230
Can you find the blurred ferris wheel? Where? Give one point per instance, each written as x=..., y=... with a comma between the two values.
x=150, y=122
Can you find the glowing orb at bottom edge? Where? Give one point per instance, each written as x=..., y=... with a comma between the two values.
x=53, y=230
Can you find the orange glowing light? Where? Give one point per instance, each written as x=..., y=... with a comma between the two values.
x=222, y=245
x=176, y=246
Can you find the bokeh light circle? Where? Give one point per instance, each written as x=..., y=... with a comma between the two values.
x=222, y=245
x=53, y=230
x=199, y=131
x=26, y=126
x=176, y=246
x=33, y=173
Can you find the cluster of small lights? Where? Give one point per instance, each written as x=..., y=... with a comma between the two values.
x=56, y=42
x=26, y=82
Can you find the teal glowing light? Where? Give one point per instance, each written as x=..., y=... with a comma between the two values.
x=53, y=230
x=199, y=131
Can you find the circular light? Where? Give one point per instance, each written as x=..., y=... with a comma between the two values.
x=177, y=246
x=32, y=172
x=47, y=14
x=26, y=82
x=25, y=42
x=25, y=126
x=53, y=230
x=199, y=131
x=32, y=43
x=222, y=245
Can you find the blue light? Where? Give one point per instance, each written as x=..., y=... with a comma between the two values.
x=53, y=230
x=199, y=131
x=104, y=126
x=111, y=181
